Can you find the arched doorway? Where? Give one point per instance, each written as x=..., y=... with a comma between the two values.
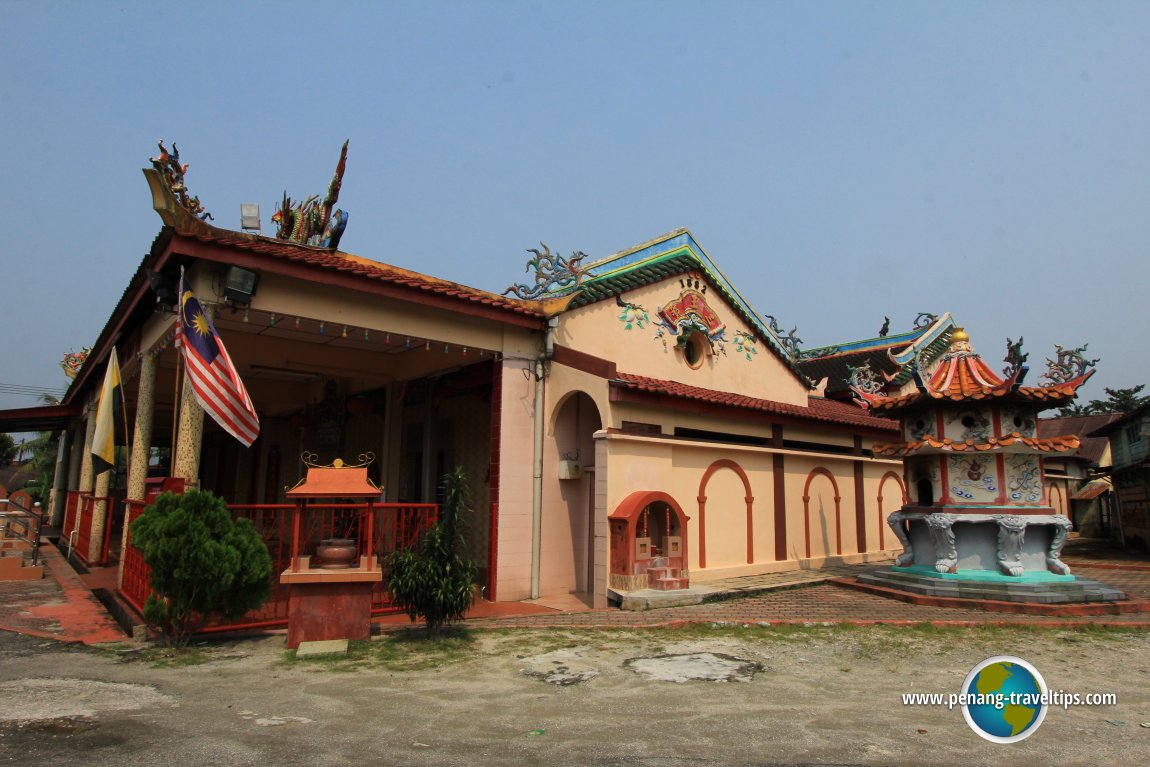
x=570, y=527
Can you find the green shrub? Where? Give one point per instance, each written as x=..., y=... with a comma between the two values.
x=433, y=581
x=203, y=563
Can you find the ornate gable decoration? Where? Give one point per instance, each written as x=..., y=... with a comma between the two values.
x=553, y=273
x=688, y=314
x=73, y=361
x=167, y=164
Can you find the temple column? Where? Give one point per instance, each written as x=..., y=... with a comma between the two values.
x=99, y=516
x=142, y=432
x=189, y=439
x=141, y=448
x=60, y=480
x=75, y=462
x=86, y=475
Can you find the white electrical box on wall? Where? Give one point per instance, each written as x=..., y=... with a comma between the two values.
x=570, y=470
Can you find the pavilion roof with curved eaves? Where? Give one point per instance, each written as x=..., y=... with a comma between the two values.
x=962, y=376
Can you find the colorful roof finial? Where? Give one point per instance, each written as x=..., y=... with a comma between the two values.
x=1069, y=364
x=310, y=222
x=172, y=174
x=552, y=273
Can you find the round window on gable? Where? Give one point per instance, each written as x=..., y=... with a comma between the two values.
x=695, y=348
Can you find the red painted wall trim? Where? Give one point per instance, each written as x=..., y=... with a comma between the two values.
x=779, y=480
x=588, y=363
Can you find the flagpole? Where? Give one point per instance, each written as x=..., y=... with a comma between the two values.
x=176, y=409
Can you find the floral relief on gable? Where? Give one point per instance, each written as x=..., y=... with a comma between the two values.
x=685, y=316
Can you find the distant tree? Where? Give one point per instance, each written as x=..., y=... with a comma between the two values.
x=7, y=449
x=42, y=463
x=1117, y=401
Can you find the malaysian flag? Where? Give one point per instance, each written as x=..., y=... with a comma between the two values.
x=210, y=371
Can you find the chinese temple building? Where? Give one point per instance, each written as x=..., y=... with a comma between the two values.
x=628, y=422
x=979, y=522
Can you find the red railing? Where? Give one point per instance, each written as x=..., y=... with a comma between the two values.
x=136, y=580
x=71, y=509
x=396, y=526
x=79, y=512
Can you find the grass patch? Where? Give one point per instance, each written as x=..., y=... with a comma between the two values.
x=406, y=650
x=165, y=657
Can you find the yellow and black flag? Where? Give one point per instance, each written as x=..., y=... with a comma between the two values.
x=108, y=414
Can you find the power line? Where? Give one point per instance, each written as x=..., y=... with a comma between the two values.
x=30, y=391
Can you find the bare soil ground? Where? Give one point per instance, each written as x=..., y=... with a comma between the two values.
x=764, y=696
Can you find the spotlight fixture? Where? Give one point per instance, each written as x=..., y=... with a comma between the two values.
x=240, y=285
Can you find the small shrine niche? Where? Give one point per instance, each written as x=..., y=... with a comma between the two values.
x=648, y=544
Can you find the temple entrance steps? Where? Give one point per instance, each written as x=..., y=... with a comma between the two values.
x=661, y=574
x=660, y=578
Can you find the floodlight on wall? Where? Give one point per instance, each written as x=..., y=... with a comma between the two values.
x=240, y=285
x=250, y=217
x=165, y=288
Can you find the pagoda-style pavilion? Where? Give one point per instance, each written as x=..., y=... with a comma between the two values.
x=979, y=523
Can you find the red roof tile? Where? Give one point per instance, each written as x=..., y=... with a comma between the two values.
x=324, y=258
x=817, y=409
x=1060, y=444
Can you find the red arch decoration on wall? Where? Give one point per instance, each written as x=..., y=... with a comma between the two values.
x=905, y=500
x=820, y=471
x=1061, y=505
x=725, y=463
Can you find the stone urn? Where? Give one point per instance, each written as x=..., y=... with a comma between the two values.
x=337, y=553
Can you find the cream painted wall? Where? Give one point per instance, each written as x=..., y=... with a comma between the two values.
x=678, y=467
x=726, y=517
x=516, y=458
x=596, y=329
x=337, y=306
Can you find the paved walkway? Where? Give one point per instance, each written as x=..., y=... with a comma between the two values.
x=59, y=606
x=62, y=607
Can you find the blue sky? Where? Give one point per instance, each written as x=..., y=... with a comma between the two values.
x=840, y=161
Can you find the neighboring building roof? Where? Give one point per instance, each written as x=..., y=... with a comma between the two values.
x=817, y=409
x=1090, y=448
x=1093, y=489
x=887, y=357
x=1119, y=421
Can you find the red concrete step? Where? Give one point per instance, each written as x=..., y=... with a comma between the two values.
x=654, y=573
